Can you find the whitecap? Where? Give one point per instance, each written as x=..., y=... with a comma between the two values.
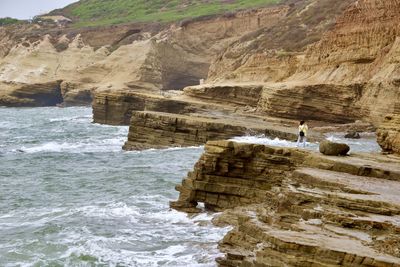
x=171, y=216
x=111, y=211
x=73, y=118
x=104, y=145
x=263, y=140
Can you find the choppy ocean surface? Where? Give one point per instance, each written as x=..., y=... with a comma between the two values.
x=69, y=196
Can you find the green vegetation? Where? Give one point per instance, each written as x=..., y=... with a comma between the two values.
x=107, y=12
x=8, y=21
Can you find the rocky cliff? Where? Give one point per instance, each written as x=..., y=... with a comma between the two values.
x=291, y=207
x=145, y=56
x=360, y=52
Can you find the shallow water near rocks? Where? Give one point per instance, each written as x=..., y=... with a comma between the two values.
x=69, y=196
x=366, y=144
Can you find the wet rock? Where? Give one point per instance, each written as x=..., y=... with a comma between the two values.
x=352, y=135
x=333, y=149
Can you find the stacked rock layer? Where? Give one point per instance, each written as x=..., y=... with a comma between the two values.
x=292, y=207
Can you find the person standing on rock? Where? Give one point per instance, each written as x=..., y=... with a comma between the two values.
x=303, y=128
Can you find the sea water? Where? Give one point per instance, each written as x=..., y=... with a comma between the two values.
x=70, y=196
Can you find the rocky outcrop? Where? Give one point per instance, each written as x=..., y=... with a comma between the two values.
x=293, y=207
x=231, y=174
x=333, y=149
x=116, y=107
x=159, y=130
x=322, y=102
x=75, y=94
x=30, y=95
x=388, y=134
x=352, y=135
x=239, y=94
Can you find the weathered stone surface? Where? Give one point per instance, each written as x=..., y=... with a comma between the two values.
x=274, y=53
x=322, y=102
x=231, y=174
x=333, y=149
x=352, y=135
x=357, y=126
x=292, y=207
x=116, y=107
x=388, y=134
x=159, y=130
x=75, y=94
x=233, y=94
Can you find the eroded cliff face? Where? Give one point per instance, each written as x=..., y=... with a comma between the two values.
x=361, y=51
x=272, y=53
x=136, y=57
x=292, y=207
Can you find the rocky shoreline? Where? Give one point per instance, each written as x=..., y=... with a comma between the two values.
x=333, y=63
x=292, y=207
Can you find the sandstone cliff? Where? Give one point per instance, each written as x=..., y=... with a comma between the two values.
x=291, y=207
x=360, y=52
x=138, y=56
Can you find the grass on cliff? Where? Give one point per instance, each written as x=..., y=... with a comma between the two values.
x=8, y=21
x=108, y=12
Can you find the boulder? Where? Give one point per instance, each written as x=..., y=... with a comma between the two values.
x=352, y=135
x=388, y=134
x=333, y=149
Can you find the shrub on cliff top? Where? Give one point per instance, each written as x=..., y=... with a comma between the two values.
x=8, y=21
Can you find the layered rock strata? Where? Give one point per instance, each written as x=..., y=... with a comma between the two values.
x=388, y=134
x=116, y=107
x=292, y=207
x=147, y=56
x=159, y=130
x=241, y=95
x=358, y=57
x=321, y=102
